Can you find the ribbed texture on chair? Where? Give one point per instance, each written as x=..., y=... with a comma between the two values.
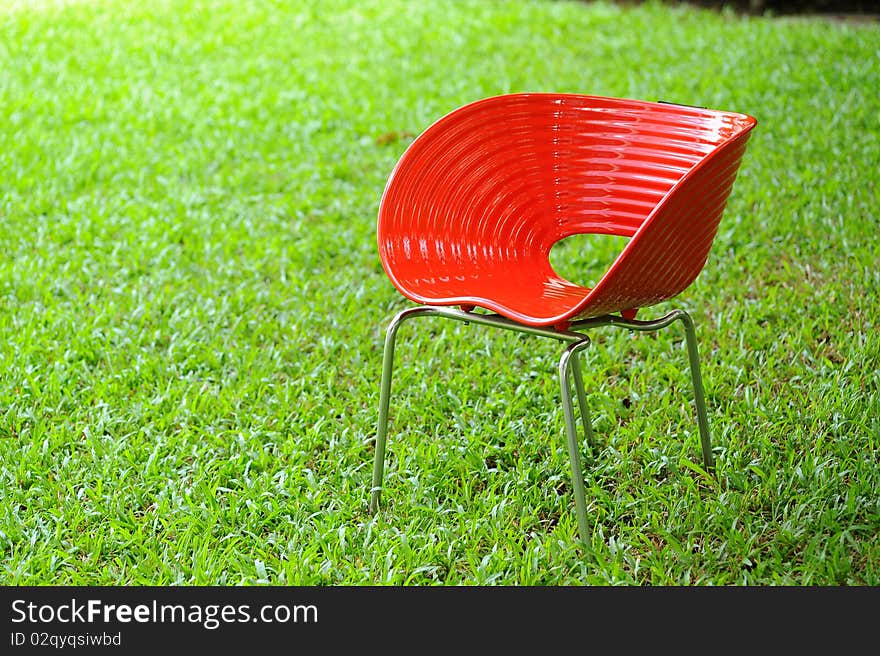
x=475, y=204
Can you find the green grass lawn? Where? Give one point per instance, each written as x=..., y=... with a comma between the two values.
x=192, y=306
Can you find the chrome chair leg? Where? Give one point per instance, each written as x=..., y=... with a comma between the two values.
x=569, y=359
x=697, y=380
x=384, y=399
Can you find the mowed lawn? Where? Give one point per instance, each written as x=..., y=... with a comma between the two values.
x=192, y=306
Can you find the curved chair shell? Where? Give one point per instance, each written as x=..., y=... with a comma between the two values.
x=473, y=207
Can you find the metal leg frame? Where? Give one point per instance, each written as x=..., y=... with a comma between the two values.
x=693, y=357
x=569, y=361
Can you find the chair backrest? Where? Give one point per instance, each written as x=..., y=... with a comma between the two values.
x=496, y=183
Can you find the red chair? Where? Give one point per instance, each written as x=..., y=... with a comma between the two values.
x=473, y=207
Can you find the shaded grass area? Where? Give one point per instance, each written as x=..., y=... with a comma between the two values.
x=192, y=306
x=850, y=9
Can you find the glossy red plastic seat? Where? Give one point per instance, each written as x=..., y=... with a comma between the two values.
x=473, y=207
